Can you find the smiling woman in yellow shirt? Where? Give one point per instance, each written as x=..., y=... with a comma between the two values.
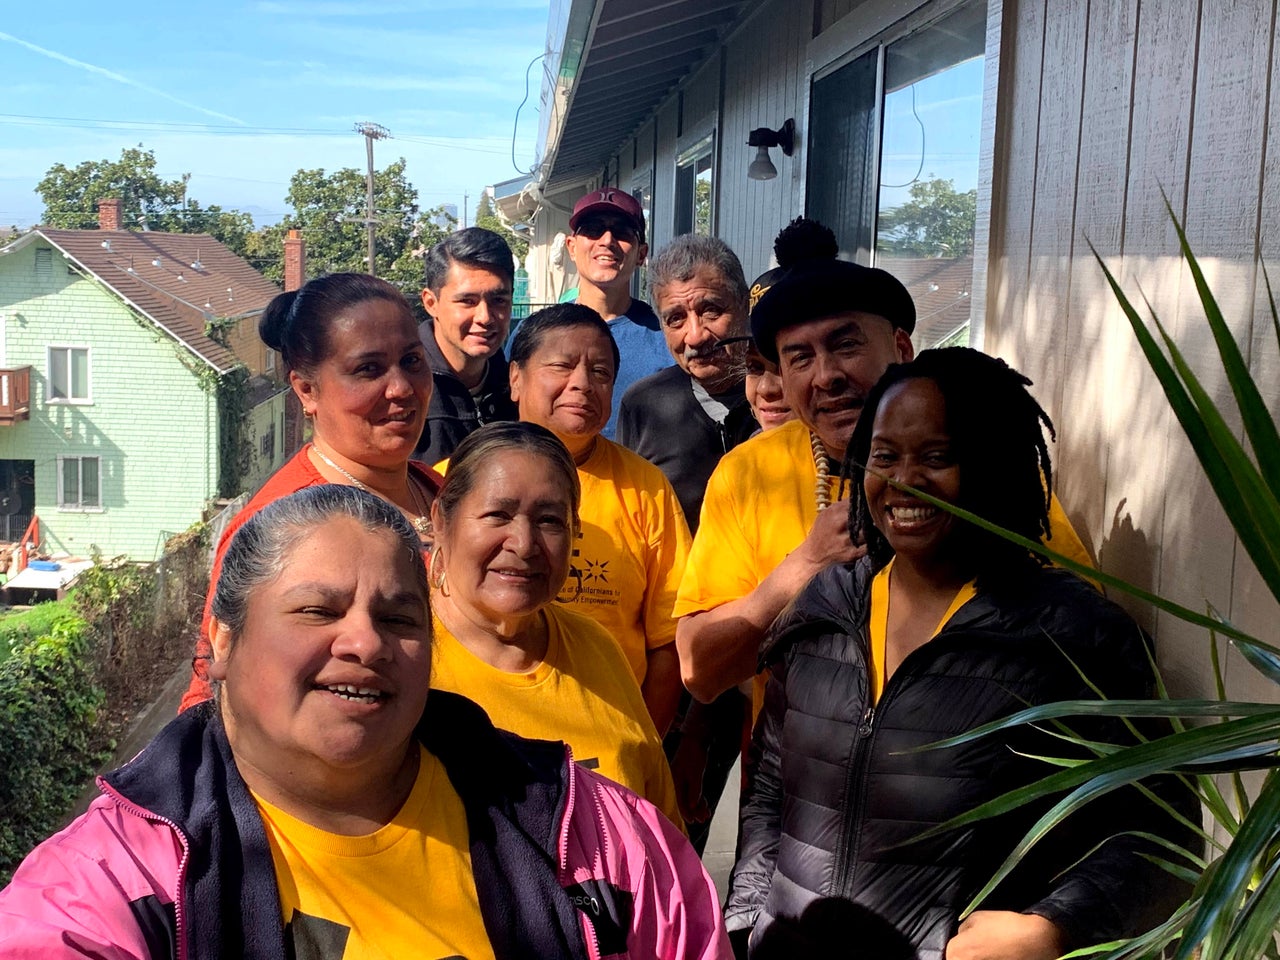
x=505, y=525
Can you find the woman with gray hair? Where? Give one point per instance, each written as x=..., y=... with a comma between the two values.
x=323, y=804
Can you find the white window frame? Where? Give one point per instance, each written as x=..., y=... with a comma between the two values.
x=88, y=357
x=703, y=146
x=79, y=507
x=876, y=24
x=642, y=182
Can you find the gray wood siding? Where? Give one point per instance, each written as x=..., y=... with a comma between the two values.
x=1103, y=104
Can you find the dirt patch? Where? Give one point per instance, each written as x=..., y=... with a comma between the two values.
x=132, y=692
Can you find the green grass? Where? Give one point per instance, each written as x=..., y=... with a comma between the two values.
x=19, y=626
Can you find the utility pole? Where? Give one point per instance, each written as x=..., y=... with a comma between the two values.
x=465, y=198
x=371, y=132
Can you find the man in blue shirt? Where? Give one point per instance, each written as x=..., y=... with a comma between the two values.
x=606, y=243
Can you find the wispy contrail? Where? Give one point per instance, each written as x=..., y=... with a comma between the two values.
x=118, y=78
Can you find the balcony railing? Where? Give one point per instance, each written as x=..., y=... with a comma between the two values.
x=15, y=395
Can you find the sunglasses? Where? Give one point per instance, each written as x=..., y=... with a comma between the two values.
x=594, y=228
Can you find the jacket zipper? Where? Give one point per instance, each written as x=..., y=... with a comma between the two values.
x=593, y=942
x=137, y=811
x=856, y=780
x=855, y=784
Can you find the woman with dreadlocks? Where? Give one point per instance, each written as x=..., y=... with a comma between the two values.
x=942, y=627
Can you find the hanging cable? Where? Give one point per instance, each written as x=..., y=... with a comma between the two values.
x=515, y=126
x=919, y=169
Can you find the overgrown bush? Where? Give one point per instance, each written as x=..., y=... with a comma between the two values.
x=49, y=699
x=73, y=684
x=135, y=611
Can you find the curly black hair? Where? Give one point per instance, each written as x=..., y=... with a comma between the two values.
x=998, y=442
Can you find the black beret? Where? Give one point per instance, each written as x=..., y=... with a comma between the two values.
x=823, y=288
x=762, y=284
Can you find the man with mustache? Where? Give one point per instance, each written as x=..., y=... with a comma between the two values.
x=606, y=244
x=684, y=418
x=469, y=276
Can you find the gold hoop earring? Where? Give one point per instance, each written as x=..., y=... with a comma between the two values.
x=436, y=578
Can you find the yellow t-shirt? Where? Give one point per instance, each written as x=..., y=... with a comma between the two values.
x=630, y=554
x=405, y=890
x=760, y=506
x=581, y=693
x=878, y=625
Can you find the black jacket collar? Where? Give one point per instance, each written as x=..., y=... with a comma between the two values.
x=514, y=792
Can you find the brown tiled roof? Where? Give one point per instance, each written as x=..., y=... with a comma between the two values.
x=941, y=289
x=197, y=279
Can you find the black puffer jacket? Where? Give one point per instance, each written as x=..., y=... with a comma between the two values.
x=835, y=800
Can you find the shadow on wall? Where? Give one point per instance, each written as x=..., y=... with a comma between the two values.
x=1127, y=552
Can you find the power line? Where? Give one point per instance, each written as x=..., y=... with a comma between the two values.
x=23, y=119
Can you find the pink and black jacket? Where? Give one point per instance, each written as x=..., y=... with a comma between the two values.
x=173, y=861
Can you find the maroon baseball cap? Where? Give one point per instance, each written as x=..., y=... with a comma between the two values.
x=609, y=200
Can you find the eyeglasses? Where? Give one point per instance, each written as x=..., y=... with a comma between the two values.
x=593, y=228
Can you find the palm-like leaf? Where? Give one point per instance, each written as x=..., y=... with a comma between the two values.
x=1233, y=911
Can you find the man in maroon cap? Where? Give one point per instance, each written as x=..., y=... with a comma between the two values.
x=606, y=243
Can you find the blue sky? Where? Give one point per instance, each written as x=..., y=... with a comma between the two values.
x=242, y=94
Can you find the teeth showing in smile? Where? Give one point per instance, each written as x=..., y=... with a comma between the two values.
x=359, y=694
x=912, y=514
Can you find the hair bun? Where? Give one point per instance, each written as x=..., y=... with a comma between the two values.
x=275, y=320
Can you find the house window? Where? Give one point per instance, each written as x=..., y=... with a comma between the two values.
x=78, y=483
x=694, y=189
x=642, y=191
x=68, y=375
x=267, y=444
x=893, y=163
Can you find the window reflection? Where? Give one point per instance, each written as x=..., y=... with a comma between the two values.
x=927, y=202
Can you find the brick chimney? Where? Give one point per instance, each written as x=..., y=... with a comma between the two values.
x=295, y=261
x=109, y=213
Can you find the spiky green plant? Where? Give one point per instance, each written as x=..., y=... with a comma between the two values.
x=1233, y=910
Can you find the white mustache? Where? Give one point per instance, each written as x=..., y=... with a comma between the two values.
x=696, y=353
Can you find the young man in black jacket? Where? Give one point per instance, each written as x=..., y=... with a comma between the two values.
x=469, y=276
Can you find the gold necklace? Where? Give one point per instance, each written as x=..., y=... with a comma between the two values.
x=421, y=523
x=821, y=486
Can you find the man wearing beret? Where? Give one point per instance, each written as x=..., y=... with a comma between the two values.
x=833, y=328
x=606, y=243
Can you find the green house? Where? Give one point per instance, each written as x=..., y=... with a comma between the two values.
x=133, y=390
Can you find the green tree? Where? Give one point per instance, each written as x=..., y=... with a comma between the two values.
x=488, y=218
x=329, y=210
x=71, y=196
x=936, y=222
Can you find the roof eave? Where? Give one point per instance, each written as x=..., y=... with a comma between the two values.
x=569, y=28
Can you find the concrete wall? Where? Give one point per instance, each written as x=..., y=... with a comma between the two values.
x=149, y=421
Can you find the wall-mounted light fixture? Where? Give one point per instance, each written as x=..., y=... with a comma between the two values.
x=762, y=138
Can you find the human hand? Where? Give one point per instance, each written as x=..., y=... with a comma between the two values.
x=1005, y=935
x=687, y=768
x=829, y=541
